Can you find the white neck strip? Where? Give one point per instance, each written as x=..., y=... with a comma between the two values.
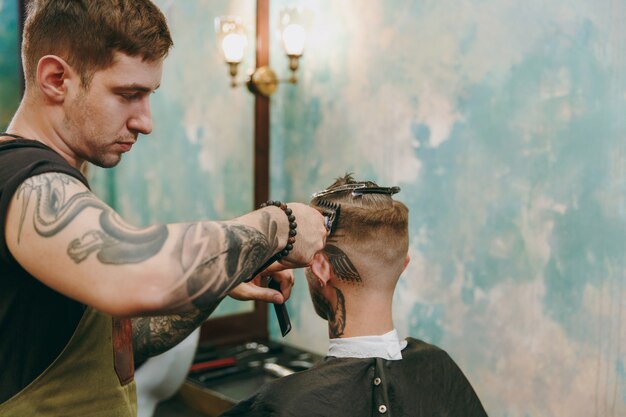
x=387, y=346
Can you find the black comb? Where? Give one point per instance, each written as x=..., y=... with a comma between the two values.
x=330, y=211
x=280, y=309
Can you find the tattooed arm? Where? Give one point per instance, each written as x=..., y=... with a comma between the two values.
x=73, y=242
x=155, y=335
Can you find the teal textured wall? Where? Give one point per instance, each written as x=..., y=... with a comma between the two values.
x=9, y=62
x=503, y=122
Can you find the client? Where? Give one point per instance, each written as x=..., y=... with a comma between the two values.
x=368, y=370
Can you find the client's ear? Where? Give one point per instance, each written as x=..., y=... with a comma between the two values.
x=406, y=261
x=321, y=268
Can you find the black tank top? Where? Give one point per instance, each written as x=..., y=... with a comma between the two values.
x=36, y=322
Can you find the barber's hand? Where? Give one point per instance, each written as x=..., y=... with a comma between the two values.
x=254, y=290
x=311, y=237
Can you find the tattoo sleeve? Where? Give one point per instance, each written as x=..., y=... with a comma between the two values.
x=210, y=277
x=208, y=258
x=113, y=243
x=155, y=335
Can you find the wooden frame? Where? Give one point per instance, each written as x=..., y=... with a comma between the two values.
x=244, y=327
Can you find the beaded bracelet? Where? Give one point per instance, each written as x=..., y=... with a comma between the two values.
x=292, y=227
x=290, y=241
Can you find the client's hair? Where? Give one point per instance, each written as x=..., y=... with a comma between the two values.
x=371, y=225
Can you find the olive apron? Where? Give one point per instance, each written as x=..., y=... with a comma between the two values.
x=93, y=375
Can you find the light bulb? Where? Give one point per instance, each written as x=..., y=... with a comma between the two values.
x=294, y=37
x=234, y=45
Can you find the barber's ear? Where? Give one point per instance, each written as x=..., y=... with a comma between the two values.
x=53, y=74
x=406, y=261
x=321, y=268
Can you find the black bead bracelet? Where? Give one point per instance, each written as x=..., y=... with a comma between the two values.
x=290, y=241
x=292, y=228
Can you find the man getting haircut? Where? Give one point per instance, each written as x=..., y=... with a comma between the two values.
x=368, y=371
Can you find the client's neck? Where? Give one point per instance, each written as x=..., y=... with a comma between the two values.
x=360, y=313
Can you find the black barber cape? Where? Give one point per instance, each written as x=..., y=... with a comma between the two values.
x=425, y=383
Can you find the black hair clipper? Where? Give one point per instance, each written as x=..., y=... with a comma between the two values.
x=280, y=309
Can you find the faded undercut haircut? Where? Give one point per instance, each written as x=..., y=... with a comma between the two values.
x=87, y=33
x=371, y=225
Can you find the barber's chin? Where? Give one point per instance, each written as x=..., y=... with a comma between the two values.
x=108, y=162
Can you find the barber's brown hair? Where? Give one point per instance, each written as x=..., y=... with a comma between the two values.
x=369, y=224
x=87, y=33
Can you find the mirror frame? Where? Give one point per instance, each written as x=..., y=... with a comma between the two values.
x=252, y=326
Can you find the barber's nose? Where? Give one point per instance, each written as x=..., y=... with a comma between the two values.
x=141, y=121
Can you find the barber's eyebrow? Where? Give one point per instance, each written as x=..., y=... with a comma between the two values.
x=136, y=87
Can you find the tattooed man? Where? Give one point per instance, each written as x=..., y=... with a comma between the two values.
x=368, y=370
x=68, y=263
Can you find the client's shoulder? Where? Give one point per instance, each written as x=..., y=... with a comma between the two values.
x=317, y=391
x=328, y=371
x=420, y=348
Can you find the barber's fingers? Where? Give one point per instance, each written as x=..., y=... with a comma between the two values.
x=254, y=291
x=283, y=275
x=249, y=291
x=286, y=280
x=274, y=267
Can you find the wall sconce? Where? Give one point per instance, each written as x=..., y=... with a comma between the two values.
x=232, y=41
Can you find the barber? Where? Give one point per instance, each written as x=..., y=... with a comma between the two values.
x=72, y=272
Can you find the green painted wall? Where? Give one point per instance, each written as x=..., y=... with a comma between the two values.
x=9, y=62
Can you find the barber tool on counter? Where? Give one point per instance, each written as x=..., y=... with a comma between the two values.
x=272, y=359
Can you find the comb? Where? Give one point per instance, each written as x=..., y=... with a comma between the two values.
x=357, y=189
x=330, y=211
x=280, y=309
